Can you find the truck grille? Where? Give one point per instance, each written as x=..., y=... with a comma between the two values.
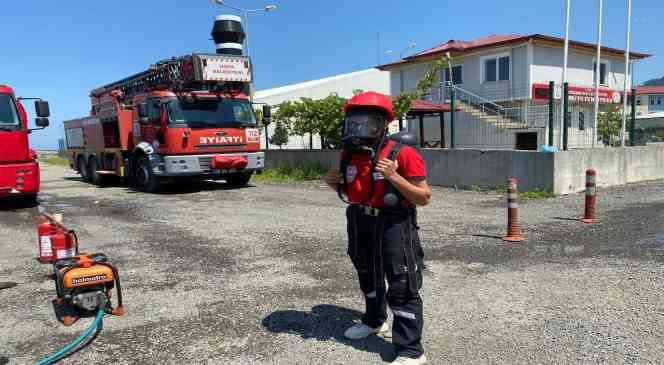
x=205, y=163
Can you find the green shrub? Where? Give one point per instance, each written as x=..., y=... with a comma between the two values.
x=291, y=173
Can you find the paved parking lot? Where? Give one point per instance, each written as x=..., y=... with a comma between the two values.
x=259, y=275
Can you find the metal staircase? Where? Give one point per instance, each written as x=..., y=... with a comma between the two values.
x=487, y=111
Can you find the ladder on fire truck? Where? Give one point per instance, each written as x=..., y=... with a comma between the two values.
x=179, y=74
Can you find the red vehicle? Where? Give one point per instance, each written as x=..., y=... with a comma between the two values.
x=183, y=118
x=19, y=168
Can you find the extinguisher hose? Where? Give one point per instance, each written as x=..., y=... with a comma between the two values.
x=73, y=233
x=96, y=324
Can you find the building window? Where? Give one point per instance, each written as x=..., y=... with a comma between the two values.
x=603, y=73
x=496, y=68
x=656, y=103
x=457, y=78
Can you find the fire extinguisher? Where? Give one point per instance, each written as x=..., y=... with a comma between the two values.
x=56, y=242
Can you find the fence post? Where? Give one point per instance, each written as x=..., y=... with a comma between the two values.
x=421, y=131
x=633, y=118
x=566, y=115
x=267, y=139
x=552, y=90
x=452, y=117
x=442, y=129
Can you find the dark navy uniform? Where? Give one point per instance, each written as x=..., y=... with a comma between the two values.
x=384, y=245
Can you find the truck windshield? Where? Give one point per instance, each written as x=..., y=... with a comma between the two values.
x=8, y=116
x=207, y=113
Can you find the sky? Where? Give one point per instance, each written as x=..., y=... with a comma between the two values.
x=60, y=50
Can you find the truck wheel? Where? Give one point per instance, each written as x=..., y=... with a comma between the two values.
x=144, y=179
x=238, y=179
x=82, y=168
x=93, y=172
x=30, y=199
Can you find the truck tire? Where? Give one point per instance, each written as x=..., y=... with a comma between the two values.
x=93, y=168
x=30, y=199
x=83, y=169
x=238, y=179
x=144, y=179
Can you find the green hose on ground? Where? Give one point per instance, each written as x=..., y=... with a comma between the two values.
x=70, y=346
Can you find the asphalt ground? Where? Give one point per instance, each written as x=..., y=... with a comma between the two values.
x=259, y=275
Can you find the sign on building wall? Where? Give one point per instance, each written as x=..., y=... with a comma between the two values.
x=578, y=93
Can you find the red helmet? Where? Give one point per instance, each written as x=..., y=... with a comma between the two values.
x=371, y=99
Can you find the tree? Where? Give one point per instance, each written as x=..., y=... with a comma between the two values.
x=309, y=117
x=401, y=105
x=329, y=116
x=259, y=117
x=608, y=126
x=280, y=134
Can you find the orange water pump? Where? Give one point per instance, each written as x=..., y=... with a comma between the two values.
x=84, y=284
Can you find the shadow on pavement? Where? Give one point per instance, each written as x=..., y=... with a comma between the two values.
x=168, y=187
x=17, y=203
x=326, y=322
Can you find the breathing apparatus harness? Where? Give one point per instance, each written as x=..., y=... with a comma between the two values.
x=364, y=132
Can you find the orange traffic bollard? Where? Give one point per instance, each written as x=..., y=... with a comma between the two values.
x=591, y=197
x=513, y=230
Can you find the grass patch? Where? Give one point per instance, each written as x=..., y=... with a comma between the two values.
x=523, y=195
x=536, y=194
x=56, y=160
x=288, y=173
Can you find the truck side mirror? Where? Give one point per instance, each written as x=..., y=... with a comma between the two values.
x=143, y=116
x=267, y=114
x=42, y=109
x=42, y=122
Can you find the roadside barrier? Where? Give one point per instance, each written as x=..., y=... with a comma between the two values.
x=513, y=230
x=589, y=214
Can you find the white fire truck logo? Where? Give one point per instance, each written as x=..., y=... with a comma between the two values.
x=221, y=140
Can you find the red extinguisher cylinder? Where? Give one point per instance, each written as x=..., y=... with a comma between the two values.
x=46, y=230
x=55, y=241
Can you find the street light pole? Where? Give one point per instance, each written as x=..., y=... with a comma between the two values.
x=389, y=51
x=565, y=56
x=597, y=71
x=624, y=115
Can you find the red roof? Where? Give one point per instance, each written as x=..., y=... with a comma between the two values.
x=421, y=106
x=461, y=46
x=649, y=90
x=457, y=45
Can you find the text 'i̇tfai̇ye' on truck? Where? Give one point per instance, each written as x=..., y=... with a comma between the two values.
x=184, y=118
x=19, y=169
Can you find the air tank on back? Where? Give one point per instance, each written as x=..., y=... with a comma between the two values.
x=228, y=34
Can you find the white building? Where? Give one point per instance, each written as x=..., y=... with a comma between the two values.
x=649, y=99
x=343, y=85
x=502, y=87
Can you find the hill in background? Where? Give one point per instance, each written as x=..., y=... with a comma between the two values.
x=655, y=82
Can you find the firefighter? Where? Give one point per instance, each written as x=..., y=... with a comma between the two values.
x=383, y=179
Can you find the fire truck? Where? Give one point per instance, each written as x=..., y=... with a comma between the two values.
x=184, y=118
x=19, y=168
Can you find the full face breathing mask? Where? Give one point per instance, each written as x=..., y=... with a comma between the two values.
x=363, y=128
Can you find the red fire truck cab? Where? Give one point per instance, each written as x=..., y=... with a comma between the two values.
x=19, y=168
x=188, y=117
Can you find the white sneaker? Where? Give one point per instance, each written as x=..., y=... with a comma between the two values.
x=361, y=330
x=403, y=360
